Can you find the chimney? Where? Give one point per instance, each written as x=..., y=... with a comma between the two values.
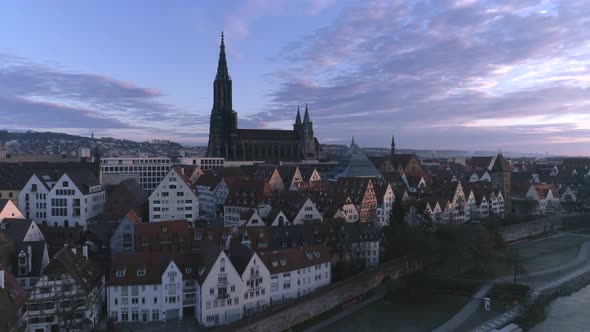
x=30, y=258
x=85, y=251
x=182, y=170
x=2, y=278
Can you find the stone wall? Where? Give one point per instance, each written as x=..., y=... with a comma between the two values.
x=521, y=231
x=288, y=315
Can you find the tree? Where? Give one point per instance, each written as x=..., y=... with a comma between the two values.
x=97, y=154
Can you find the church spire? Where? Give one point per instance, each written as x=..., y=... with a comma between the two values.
x=298, y=118
x=392, y=152
x=222, y=72
x=306, y=116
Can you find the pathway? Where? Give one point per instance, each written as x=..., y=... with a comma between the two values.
x=475, y=303
x=379, y=294
x=469, y=309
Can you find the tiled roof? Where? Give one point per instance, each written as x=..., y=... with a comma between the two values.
x=239, y=255
x=151, y=265
x=208, y=180
x=290, y=259
x=86, y=272
x=83, y=179
x=290, y=202
x=246, y=192
x=12, y=298
x=353, y=187
x=477, y=162
x=173, y=235
x=123, y=198
x=500, y=165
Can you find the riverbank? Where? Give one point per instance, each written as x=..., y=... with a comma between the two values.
x=536, y=313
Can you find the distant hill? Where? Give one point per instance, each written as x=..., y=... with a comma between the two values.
x=335, y=151
x=30, y=142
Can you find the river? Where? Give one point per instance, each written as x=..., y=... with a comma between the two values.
x=567, y=313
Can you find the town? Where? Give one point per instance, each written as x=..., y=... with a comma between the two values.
x=258, y=224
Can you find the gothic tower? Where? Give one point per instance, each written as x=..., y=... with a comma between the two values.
x=306, y=138
x=392, y=151
x=223, y=119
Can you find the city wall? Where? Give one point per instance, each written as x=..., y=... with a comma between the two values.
x=521, y=231
x=288, y=315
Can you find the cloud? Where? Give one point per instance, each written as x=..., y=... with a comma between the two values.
x=417, y=66
x=35, y=96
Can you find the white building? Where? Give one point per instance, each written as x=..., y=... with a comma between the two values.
x=546, y=196
x=32, y=199
x=220, y=288
x=146, y=286
x=295, y=272
x=174, y=198
x=76, y=197
x=68, y=200
x=149, y=171
x=204, y=162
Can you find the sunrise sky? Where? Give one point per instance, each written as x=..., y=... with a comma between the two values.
x=471, y=75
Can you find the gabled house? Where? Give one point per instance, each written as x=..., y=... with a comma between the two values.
x=29, y=253
x=546, y=196
x=255, y=278
x=295, y=272
x=74, y=199
x=244, y=194
x=174, y=198
x=205, y=186
x=362, y=194
x=219, y=296
x=269, y=174
x=291, y=177
x=123, y=238
x=12, y=302
x=69, y=294
x=148, y=286
x=385, y=197
x=9, y=210
x=297, y=207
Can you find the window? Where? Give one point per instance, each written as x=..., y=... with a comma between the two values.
x=155, y=314
x=155, y=300
x=64, y=184
x=134, y=300
x=124, y=316
x=135, y=315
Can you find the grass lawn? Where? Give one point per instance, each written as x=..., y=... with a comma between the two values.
x=400, y=312
x=542, y=254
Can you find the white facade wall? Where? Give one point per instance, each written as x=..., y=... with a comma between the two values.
x=308, y=212
x=32, y=200
x=173, y=199
x=67, y=206
x=367, y=250
x=219, y=297
x=255, y=286
x=292, y=284
x=151, y=171
x=149, y=302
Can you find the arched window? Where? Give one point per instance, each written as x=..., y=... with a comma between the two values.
x=222, y=265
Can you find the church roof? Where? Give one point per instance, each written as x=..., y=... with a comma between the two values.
x=266, y=135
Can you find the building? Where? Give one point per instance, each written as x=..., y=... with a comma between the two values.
x=229, y=142
x=545, y=196
x=501, y=176
x=244, y=194
x=9, y=210
x=28, y=254
x=76, y=197
x=69, y=295
x=295, y=272
x=205, y=163
x=220, y=288
x=12, y=302
x=148, y=171
x=147, y=286
x=65, y=200
x=255, y=288
x=174, y=198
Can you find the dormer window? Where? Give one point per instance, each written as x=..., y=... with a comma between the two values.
x=223, y=236
x=141, y=271
x=210, y=235
x=120, y=272
x=198, y=235
x=164, y=229
x=294, y=244
x=275, y=262
x=188, y=269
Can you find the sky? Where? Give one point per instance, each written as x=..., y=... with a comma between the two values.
x=465, y=74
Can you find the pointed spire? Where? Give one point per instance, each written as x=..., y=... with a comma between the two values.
x=298, y=118
x=222, y=72
x=306, y=116
x=352, y=144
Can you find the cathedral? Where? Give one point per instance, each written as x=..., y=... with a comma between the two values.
x=231, y=143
